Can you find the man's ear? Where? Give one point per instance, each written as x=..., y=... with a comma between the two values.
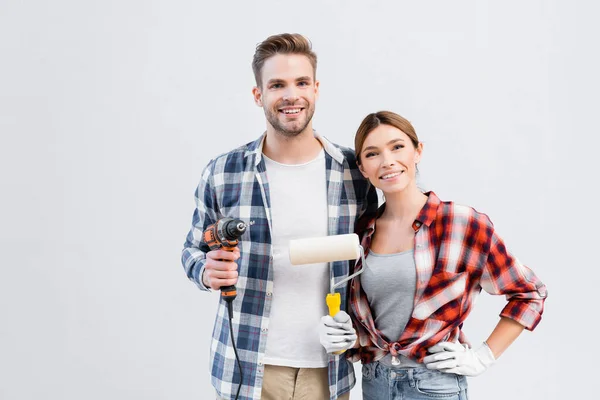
x=257, y=94
x=317, y=84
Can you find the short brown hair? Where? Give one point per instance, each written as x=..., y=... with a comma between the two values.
x=285, y=43
x=373, y=120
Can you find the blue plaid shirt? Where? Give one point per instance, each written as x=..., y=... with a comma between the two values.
x=235, y=185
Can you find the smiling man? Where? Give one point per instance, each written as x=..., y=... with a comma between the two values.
x=290, y=183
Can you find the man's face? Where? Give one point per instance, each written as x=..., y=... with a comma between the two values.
x=288, y=93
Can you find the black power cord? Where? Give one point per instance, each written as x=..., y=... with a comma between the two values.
x=224, y=234
x=237, y=357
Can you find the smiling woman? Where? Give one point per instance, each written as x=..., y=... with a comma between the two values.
x=388, y=156
x=426, y=262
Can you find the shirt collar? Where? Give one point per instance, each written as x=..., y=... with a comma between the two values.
x=255, y=149
x=425, y=217
x=429, y=211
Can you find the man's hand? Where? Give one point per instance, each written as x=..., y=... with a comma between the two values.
x=220, y=268
x=456, y=358
x=337, y=333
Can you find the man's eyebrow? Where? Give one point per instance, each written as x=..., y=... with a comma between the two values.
x=275, y=80
x=388, y=143
x=304, y=78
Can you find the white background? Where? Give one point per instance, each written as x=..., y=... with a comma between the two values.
x=110, y=109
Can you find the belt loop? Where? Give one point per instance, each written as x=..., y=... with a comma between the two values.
x=411, y=379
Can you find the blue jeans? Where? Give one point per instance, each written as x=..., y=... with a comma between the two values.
x=388, y=383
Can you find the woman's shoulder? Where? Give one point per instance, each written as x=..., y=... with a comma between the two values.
x=459, y=213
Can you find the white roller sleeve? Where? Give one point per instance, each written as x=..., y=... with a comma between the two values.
x=324, y=249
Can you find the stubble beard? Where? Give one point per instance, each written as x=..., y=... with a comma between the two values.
x=292, y=129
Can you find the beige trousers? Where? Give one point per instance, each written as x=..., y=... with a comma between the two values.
x=287, y=383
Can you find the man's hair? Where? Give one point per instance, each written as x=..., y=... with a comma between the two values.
x=285, y=43
x=373, y=120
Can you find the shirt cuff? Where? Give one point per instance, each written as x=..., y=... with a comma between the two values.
x=523, y=313
x=198, y=281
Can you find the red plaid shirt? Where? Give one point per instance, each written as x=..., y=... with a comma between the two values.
x=457, y=253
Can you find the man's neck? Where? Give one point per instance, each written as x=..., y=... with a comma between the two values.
x=299, y=149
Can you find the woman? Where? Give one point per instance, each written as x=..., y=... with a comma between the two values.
x=426, y=261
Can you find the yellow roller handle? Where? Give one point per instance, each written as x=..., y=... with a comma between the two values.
x=334, y=302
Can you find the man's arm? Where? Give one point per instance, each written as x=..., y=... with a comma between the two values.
x=205, y=213
x=371, y=202
x=207, y=269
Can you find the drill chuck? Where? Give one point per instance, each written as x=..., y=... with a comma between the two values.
x=224, y=233
x=233, y=229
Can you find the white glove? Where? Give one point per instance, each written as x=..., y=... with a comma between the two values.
x=456, y=358
x=337, y=334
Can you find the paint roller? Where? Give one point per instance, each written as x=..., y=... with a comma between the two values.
x=328, y=249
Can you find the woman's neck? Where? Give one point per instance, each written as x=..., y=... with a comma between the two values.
x=404, y=205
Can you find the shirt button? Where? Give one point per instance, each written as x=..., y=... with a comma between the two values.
x=260, y=363
x=264, y=330
x=269, y=294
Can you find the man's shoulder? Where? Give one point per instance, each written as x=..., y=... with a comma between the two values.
x=234, y=154
x=347, y=153
x=234, y=160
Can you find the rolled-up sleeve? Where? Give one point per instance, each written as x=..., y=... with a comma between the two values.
x=504, y=274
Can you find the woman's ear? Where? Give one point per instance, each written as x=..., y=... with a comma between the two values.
x=362, y=170
x=418, y=153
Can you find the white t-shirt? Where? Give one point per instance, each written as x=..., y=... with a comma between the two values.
x=298, y=195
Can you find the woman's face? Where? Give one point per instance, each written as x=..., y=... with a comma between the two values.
x=388, y=159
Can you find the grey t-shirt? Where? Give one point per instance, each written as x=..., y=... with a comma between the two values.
x=389, y=281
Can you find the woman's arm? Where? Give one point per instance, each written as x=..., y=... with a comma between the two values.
x=505, y=332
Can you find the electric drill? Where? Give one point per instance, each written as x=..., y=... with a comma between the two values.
x=224, y=234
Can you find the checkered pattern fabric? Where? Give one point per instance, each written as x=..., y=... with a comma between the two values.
x=235, y=185
x=457, y=253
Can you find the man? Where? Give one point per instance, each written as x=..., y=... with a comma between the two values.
x=290, y=183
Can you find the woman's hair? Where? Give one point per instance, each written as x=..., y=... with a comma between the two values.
x=285, y=43
x=373, y=120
